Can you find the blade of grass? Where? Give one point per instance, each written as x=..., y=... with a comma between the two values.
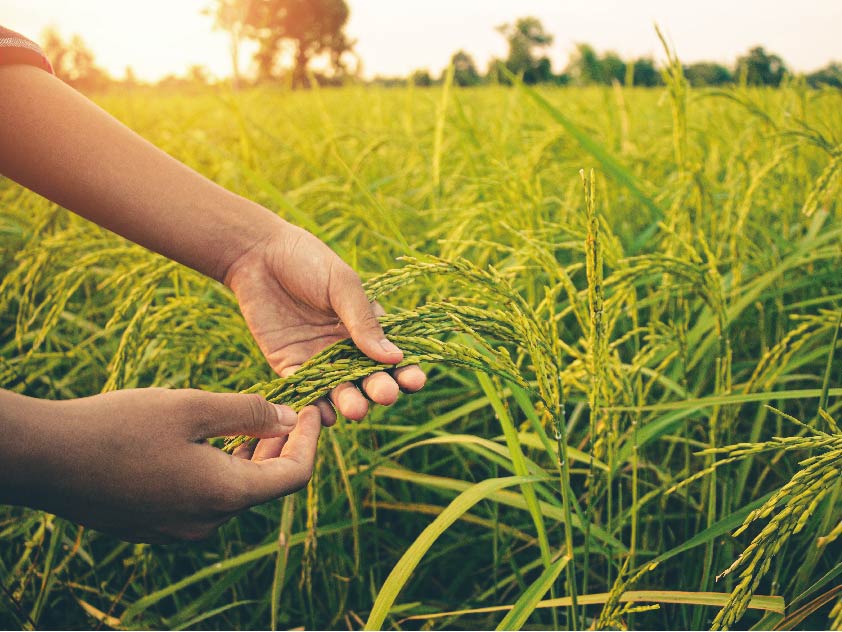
x=735, y=398
x=790, y=621
x=252, y=555
x=518, y=461
x=412, y=556
x=438, y=136
x=719, y=528
x=831, y=352
x=279, y=576
x=758, y=602
x=511, y=499
x=212, y=613
x=610, y=165
x=528, y=601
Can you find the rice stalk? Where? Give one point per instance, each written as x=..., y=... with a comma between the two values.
x=788, y=510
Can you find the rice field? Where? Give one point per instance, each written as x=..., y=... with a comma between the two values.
x=628, y=303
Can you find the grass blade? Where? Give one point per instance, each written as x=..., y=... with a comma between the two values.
x=758, y=602
x=252, y=555
x=410, y=559
x=518, y=461
x=529, y=600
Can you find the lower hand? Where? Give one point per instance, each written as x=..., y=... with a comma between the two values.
x=135, y=463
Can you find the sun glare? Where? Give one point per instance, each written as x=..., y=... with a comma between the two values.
x=160, y=37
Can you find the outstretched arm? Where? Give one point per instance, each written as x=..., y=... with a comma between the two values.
x=135, y=463
x=296, y=294
x=58, y=143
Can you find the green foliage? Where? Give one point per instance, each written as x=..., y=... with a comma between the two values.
x=421, y=77
x=759, y=68
x=313, y=26
x=527, y=38
x=644, y=72
x=830, y=76
x=587, y=67
x=706, y=73
x=465, y=72
x=633, y=334
x=584, y=66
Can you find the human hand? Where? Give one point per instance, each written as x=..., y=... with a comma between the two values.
x=293, y=289
x=134, y=463
x=298, y=297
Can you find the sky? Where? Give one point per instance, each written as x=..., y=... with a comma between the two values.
x=395, y=37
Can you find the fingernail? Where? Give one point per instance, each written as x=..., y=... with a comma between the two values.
x=388, y=346
x=286, y=415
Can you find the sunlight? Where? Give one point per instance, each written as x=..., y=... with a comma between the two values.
x=161, y=37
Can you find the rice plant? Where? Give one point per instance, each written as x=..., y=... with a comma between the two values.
x=630, y=418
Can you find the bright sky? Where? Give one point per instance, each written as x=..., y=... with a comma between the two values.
x=158, y=37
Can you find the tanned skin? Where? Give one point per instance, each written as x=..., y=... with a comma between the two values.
x=91, y=459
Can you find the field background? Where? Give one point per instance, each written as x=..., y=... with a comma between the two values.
x=718, y=222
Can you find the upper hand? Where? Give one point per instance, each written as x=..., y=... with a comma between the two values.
x=298, y=297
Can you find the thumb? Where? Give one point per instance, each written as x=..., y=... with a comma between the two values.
x=351, y=304
x=225, y=414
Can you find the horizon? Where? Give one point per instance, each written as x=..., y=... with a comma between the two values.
x=394, y=39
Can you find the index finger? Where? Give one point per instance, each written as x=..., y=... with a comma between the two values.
x=289, y=472
x=356, y=312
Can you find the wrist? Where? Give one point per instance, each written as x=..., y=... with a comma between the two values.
x=252, y=226
x=25, y=424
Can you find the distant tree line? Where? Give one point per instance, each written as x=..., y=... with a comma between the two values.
x=528, y=42
x=292, y=34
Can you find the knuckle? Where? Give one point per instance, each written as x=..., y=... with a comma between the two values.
x=233, y=496
x=261, y=414
x=370, y=321
x=344, y=282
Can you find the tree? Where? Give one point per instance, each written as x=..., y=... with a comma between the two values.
x=587, y=67
x=644, y=73
x=421, y=77
x=309, y=27
x=761, y=68
x=830, y=75
x=339, y=48
x=496, y=73
x=526, y=38
x=230, y=15
x=584, y=66
x=197, y=75
x=129, y=77
x=613, y=68
x=541, y=72
x=707, y=73
x=73, y=62
x=464, y=69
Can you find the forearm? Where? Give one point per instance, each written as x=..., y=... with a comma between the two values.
x=59, y=144
x=24, y=427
